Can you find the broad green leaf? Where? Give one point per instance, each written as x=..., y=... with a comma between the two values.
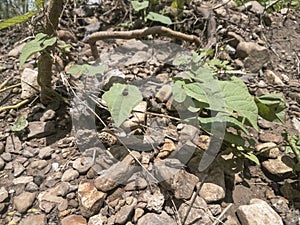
x=86, y=69
x=40, y=42
x=196, y=91
x=159, y=18
x=137, y=6
x=234, y=139
x=238, y=100
x=17, y=19
x=121, y=99
x=182, y=60
x=271, y=107
x=252, y=157
x=178, y=4
x=178, y=91
x=39, y=3
x=20, y=124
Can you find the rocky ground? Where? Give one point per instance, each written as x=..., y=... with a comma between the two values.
x=59, y=170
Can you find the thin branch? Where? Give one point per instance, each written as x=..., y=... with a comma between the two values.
x=156, y=30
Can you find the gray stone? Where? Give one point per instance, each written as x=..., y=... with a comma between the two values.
x=24, y=201
x=138, y=213
x=2, y=164
x=31, y=187
x=82, y=164
x=7, y=157
x=254, y=55
x=258, y=212
x=97, y=220
x=22, y=180
x=16, y=51
x=91, y=200
x=199, y=212
x=270, y=137
x=29, y=84
x=213, y=189
x=69, y=175
x=118, y=173
x=39, y=164
x=74, y=220
x=156, y=219
x=46, y=152
x=49, y=198
x=164, y=93
x=34, y=220
x=271, y=78
x=3, y=194
x=13, y=144
x=41, y=129
x=48, y=115
x=124, y=214
x=18, y=169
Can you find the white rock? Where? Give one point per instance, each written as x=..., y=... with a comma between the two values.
x=29, y=83
x=258, y=212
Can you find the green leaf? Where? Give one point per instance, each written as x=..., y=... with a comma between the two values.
x=159, y=18
x=182, y=60
x=178, y=4
x=272, y=107
x=39, y=3
x=40, y=42
x=137, y=6
x=252, y=157
x=86, y=69
x=20, y=124
x=178, y=91
x=238, y=100
x=195, y=91
x=121, y=99
x=17, y=19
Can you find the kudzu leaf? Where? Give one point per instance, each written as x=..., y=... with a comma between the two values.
x=121, y=99
x=159, y=18
x=20, y=124
x=17, y=19
x=40, y=42
x=137, y=6
x=86, y=69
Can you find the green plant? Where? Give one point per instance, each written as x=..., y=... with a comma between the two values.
x=138, y=6
x=224, y=108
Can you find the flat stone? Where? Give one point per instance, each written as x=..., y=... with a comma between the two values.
x=258, y=212
x=91, y=200
x=46, y=152
x=3, y=194
x=138, y=213
x=16, y=51
x=2, y=147
x=48, y=115
x=137, y=117
x=273, y=152
x=18, y=169
x=69, y=175
x=31, y=187
x=279, y=167
x=23, y=180
x=24, y=201
x=13, y=144
x=271, y=78
x=6, y=156
x=41, y=129
x=34, y=220
x=49, y=198
x=74, y=220
x=29, y=76
x=270, y=137
x=156, y=219
x=39, y=164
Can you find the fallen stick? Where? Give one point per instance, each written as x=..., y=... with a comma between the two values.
x=156, y=30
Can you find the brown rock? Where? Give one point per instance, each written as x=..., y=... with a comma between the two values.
x=91, y=200
x=34, y=220
x=74, y=220
x=24, y=201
